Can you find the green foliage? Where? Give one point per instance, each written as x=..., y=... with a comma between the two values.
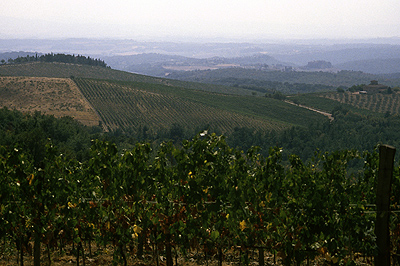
x=32, y=133
x=203, y=194
x=276, y=95
x=60, y=58
x=348, y=130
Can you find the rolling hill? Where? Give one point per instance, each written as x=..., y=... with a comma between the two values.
x=124, y=100
x=374, y=66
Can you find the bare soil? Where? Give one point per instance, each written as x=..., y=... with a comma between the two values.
x=53, y=96
x=104, y=256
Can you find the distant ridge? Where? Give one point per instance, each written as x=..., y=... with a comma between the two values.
x=373, y=66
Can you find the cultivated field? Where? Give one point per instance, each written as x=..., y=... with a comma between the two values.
x=125, y=105
x=54, y=96
x=380, y=103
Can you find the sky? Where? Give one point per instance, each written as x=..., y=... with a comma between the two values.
x=195, y=19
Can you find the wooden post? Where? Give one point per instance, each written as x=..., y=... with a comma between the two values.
x=385, y=174
x=261, y=261
x=168, y=251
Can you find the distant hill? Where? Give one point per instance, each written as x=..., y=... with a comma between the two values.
x=340, y=53
x=328, y=80
x=161, y=64
x=373, y=66
x=12, y=55
x=61, y=70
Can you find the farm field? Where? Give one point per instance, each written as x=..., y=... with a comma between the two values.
x=379, y=103
x=133, y=104
x=367, y=105
x=52, y=96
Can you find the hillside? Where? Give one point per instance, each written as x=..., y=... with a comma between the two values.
x=366, y=104
x=374, y=66
x=242, y=77
x=378, y=103
x=133, y=105
x=129, y=101
x=53, y=96
x=61, y=70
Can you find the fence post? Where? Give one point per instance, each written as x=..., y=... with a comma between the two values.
x=386, y=162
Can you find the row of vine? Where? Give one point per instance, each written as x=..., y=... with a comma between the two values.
x=202, y=195
x=376, y=102
x=124, y=106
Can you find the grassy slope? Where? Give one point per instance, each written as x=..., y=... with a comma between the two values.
x=176, y=101
x=61, y=70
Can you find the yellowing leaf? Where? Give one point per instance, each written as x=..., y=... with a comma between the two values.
x=137, y=229
x=269, y=225
x=190, y=175
x=242, y=225
x=30, y=179
x=268, y=197
x=71, y=205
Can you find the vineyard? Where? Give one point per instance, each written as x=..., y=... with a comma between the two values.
x=133, y=104
x=62, y=70
x=380, y=103
x=203, y=201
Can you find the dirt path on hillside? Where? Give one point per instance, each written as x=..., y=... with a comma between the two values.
x=312, y=109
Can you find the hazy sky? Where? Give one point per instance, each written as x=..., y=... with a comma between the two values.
x=163, y=19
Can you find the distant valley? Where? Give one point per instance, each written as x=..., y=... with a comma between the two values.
x=375, y=56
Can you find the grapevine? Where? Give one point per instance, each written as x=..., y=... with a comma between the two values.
x=202, y=195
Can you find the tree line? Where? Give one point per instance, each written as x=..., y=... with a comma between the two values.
x=59, y=58
x=348, y=130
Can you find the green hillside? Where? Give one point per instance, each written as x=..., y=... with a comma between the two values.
x=136, y=104
x=129, y=101
x=62, y=70
x=366, y=104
